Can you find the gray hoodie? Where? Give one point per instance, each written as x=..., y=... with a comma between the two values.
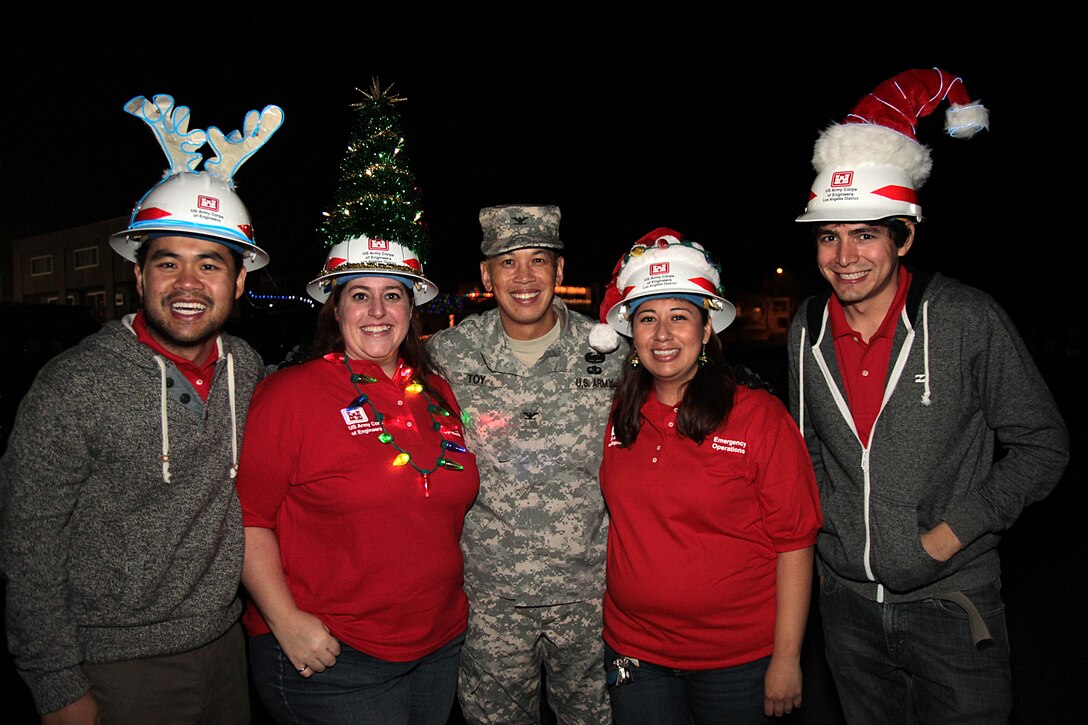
x=112, y=553
x=967, y=433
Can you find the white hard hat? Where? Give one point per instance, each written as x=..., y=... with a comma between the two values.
x=363, y=256
x=192, y=205
x=864, y=192
x=871, y=165
x=664, y=264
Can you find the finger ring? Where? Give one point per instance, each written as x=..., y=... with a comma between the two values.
x=303, y=668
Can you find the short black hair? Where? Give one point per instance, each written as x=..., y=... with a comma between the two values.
x=236, y=257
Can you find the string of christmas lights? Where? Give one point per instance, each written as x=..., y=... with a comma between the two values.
x=272, y=299
x=404, y=377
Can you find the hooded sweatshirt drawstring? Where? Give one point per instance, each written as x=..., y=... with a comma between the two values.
x=925, y=349
x=164, y=422
x=233, y=411
x=926, y=394
x=801, y=382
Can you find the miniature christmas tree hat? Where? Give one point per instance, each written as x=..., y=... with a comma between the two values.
x=373, y=228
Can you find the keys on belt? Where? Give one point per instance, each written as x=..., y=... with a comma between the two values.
x=621, y=670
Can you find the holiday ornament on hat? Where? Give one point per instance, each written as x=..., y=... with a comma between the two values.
x=871, y=165
x=662, y=263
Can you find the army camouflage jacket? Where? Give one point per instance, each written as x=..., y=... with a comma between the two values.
x=537, y=531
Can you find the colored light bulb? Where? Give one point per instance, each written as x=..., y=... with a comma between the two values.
x=451, y=465
x=385, y=438
x=451, y=446
x=401, y=459
x=404, y=375
x=357, y=403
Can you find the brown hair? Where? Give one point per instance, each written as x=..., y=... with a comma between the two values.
x=328, y=338
x=708, y=397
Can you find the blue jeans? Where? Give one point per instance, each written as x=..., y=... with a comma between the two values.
x=358, y=689
x=916, y=662
x=659, y=695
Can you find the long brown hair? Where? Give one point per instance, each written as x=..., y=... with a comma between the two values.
x=328, y=338
x=708, y=397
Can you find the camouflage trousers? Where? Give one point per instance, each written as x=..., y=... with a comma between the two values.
x=506, y=645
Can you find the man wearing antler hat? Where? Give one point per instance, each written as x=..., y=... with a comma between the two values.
x=537, y=396
x=121, y=534
x=905, y=384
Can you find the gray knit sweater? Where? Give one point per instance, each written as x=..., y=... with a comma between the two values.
x=105, y=560
x=961, y=388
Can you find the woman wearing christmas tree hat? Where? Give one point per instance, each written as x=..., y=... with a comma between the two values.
x=712, y=503
x=354, y=483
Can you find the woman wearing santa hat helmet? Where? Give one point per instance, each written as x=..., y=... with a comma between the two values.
x=713, y=508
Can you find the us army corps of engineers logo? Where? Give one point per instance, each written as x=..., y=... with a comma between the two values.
x=358, y=422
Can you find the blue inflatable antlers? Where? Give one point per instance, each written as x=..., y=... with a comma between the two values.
x=170, y=124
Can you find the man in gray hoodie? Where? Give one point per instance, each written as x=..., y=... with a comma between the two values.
x=121, y=532
x=905, y=386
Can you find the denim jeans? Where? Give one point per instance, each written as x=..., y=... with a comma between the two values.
x=659, y=695
x=916, y=662
x=358, y=689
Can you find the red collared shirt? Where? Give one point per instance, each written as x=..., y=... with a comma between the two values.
x=369, y=547
x=199, y=376
x=695, y=530
x=864, y=365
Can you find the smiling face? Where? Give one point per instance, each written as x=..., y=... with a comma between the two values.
x=669, y=335
x=523, y=282
x=374, y=314
x=187, y=287
x=861, y=262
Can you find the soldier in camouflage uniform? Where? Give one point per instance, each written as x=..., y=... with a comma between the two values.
x=534, y=542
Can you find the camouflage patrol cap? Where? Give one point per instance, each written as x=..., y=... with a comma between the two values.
x=519, y=226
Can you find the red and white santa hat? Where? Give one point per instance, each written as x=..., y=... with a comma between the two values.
x=871, y=165
x=663, y=263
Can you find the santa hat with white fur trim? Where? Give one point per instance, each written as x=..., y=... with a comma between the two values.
x=662, y=263
x=871, y=165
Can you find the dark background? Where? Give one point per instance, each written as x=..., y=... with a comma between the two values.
x=701, y=120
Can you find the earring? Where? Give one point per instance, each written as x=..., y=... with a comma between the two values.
x=634, y=362
x=703, y=359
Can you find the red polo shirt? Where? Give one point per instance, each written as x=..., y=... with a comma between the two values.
x=864, y=365
x=200, y=377
x=695, y=531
